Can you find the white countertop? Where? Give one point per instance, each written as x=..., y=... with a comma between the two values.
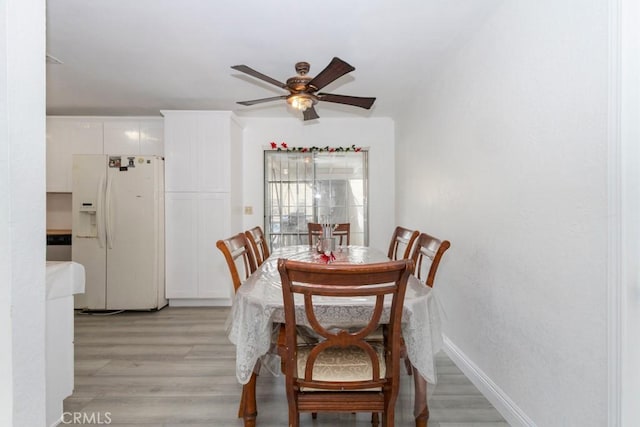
x=64, y=278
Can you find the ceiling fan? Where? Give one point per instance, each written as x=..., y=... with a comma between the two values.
x=302, y=88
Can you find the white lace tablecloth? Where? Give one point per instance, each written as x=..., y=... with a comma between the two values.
x=258, y=305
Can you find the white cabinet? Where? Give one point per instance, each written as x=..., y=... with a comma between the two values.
x=66, y=137
x=121, y=137
x=63, y=280
x=152, y=137
x=203, y=184
x=133, y=136
x=194, y=222
x=197, y=150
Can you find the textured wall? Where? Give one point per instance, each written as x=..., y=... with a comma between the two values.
x=504, y=152
x=630, y=208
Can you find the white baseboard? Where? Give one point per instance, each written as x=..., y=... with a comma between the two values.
x=200, y=302
x=494, y=394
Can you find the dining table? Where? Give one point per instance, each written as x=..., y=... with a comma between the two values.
x=257, y=313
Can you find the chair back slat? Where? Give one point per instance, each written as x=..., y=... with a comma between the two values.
x=401, y=237
x=258, y=244
x=341, y=231
x=234, y=248
x=429, y=248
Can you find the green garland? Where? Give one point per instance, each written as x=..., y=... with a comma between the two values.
x=284, y=147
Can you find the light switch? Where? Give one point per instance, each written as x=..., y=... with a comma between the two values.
x=248, y=210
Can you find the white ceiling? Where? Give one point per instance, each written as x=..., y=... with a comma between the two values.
x=137, y=57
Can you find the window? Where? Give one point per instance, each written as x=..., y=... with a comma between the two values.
x=314, y=187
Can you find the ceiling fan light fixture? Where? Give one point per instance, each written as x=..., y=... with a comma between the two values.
x=301, y=101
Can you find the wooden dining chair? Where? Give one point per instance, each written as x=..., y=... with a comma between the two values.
x=342, y=372
x=237, y=252
x=342, y=230
x=402, y=238
x=259, y=244
x=432, y=249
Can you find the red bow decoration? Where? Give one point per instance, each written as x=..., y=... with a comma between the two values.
x=328, y=258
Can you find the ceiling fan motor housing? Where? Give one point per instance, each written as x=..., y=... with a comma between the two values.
x=299, y=83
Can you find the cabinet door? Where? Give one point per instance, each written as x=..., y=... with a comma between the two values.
x=195, y=268
x=180, y=171
x=152, y=137
x=197, y=151
x=66, y=137
x=121, y=137
x=213, y=225
x=181, y=245
x=214, y=157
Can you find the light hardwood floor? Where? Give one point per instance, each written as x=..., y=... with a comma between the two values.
x=176, y=367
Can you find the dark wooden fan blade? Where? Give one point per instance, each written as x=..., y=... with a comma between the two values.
x=258, y=75
x=356, y=101
x=310, y=113
x=336, y=68
x=260, y=101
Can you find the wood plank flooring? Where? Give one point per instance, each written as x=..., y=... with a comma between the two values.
x=176, y=367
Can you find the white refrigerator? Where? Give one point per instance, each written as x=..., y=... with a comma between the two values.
x=118, y=231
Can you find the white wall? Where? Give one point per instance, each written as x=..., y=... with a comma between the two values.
x=629, y=238
x=59, y=211
x=375, y=134
x=22, y=213
x=504, y=153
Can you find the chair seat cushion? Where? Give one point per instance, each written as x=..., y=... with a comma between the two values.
x=341, y=364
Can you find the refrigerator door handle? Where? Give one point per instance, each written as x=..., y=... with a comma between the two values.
x=100, y=212
x=108, y=224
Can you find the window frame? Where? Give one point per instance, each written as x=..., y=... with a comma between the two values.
x=299, y=235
